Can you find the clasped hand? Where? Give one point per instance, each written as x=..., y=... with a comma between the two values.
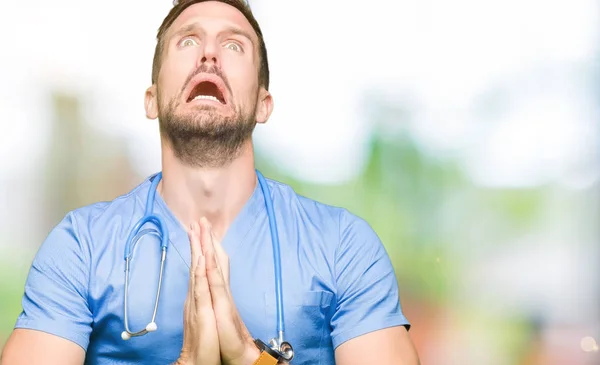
x=213, y=331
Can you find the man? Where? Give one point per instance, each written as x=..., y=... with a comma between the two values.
x=209, y=89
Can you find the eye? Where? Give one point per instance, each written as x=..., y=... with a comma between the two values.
x=233, y=46
x=188, y=42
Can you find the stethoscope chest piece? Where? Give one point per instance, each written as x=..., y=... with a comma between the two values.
x=282, y=352
x=285, y=349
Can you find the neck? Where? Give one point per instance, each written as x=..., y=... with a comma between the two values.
x=215, y=193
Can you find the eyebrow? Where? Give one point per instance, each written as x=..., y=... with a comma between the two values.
x=240, y=32
x=229, y=30
x=187, y=29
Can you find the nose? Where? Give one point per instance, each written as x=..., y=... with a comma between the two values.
x=209, y=54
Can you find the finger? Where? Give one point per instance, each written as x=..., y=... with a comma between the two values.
x=229, y=324
x=208, y=243
x=222, y=258
x=204, y=234
x=193, y=264
x=194, y=246
x=214, y=246
x=215, y=278
x=221, y=300
x=216, y=281
x=208, y=246
x=200, y=289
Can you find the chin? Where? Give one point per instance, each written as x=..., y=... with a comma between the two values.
x=205, y=117
x=204, y=109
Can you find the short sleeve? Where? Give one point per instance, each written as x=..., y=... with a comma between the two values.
x=367, y=289
x=55, y=297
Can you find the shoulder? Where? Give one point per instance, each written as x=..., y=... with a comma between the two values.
x=325, y=216
x=104, y=212
x=83, y=225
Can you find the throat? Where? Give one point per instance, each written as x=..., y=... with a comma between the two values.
x=218, y=195
x=189, y=206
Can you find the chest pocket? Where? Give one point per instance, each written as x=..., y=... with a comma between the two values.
x=307, y=316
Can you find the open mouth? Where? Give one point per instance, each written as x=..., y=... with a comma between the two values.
x=206, y=90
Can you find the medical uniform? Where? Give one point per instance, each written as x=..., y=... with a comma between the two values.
x=338, y=281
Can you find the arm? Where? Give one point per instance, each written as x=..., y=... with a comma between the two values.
x=55, y=323
x=387, y=346
x=25, y=347
x=368, y=324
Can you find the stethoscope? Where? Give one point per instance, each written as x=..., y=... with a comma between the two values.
x=278, y=344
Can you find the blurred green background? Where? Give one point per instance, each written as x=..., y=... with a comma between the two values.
x=472, y=146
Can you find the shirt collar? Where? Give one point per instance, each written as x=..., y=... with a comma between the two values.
x=235, y=235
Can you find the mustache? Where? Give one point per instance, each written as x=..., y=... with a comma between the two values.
x=209, y=70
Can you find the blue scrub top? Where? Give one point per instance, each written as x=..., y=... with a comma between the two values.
x=338, y=281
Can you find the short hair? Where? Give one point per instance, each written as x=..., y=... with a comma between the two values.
x=180, y=6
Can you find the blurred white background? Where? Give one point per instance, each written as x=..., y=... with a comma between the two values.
x=508, y=90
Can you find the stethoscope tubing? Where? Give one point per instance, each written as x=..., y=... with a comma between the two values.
x=149, y=217
x=276, y=254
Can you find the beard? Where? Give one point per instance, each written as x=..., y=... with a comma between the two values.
x=202, y=137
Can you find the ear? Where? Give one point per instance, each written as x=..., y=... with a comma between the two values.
x=151, y=103
x=265, y=106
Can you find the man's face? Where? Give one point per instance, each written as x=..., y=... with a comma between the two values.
x=207, y=95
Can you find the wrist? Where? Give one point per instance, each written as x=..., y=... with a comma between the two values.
x=252, y=354
x=183, y=360
x=248, y=357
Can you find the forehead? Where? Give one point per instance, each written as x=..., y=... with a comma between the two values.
x=212, y=14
